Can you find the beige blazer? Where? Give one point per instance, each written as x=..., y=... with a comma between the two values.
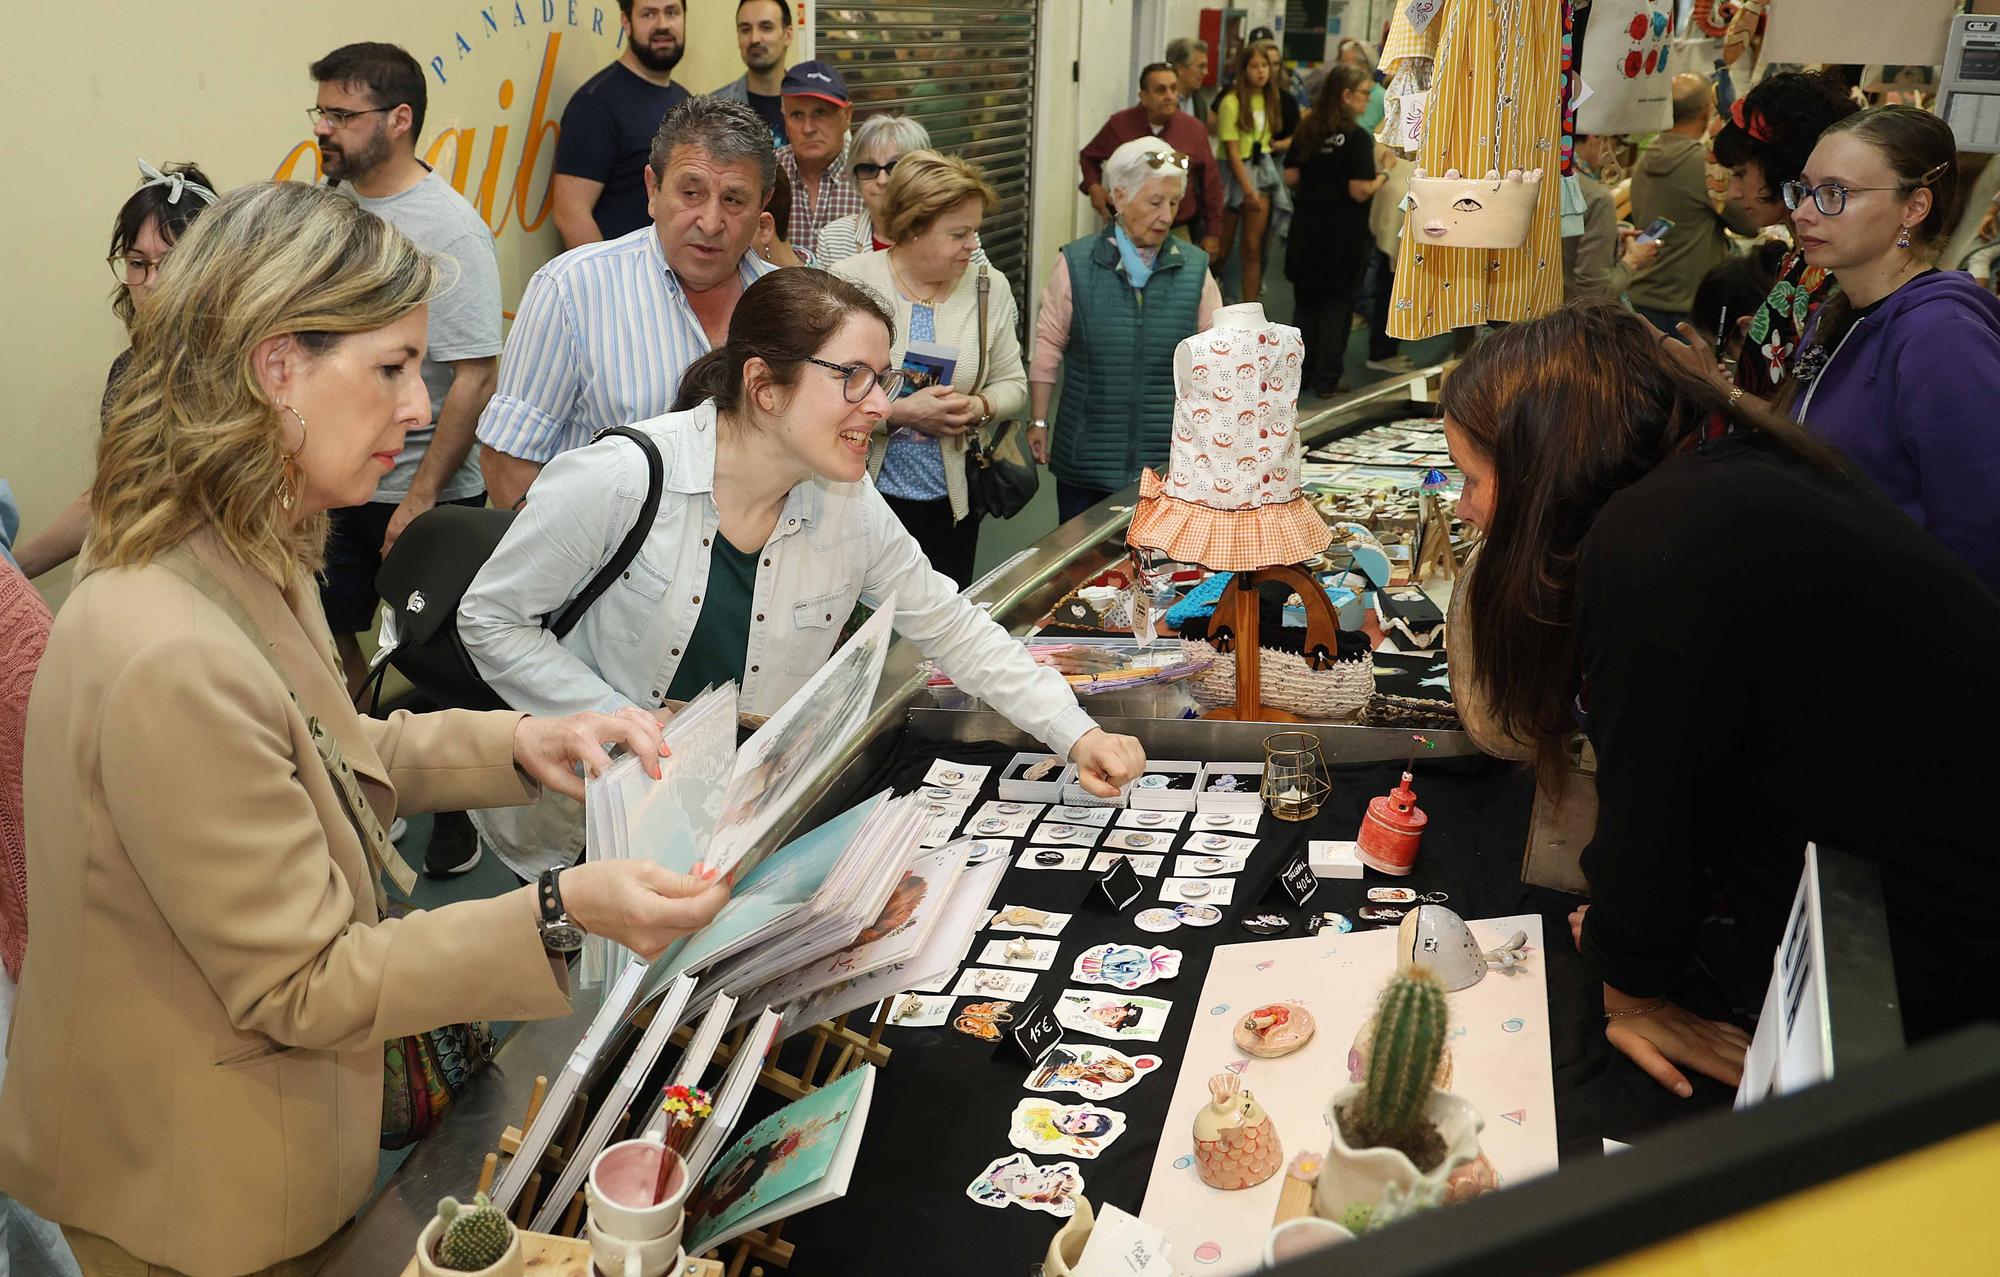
x=195, y=1065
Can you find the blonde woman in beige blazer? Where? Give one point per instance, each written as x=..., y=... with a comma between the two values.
x=934, y=204
x=194, y=1079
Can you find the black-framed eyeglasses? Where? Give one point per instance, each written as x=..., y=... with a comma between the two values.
x=858, y=379
x=865, y=171
x=339, y=117
x=1830, y=198
x=1161, y=159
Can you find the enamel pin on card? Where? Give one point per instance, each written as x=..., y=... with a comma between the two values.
x=946, y=774
x=1116, y=1016
x=1019, y=951
x=1015, y=1180
x=1207, y=866
x=1053, y=858
x=1134, y=818
x=1125, y=966
x=1208, y=891
x=1093, y=817
x=1226, y=822
x=991, y=982
x=1144, y=866
x=1040, y=922
x=1090, y=1071
x=1003, y=820
x=1047, y=1128
x=1062, y=834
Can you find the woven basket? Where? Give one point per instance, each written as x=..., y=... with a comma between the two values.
x=1288, y=683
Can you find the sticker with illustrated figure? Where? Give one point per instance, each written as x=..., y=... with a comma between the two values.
x=984, y=1020
x=1015, y=1180
x=1125, y=966
x=1090, y=1071
x=1144, y=866
x=1117, y=1016
x=1047, y=1128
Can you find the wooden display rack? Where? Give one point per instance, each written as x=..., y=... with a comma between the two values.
x=850, y=1049
x=1240, y=603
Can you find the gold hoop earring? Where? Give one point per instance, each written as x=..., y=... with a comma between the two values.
x=288, y=494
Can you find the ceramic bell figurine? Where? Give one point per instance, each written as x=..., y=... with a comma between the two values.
x=1432, y=938
x=1235, y=1143
x=1274, y=1030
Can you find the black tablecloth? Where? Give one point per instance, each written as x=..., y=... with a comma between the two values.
x=941, y=1106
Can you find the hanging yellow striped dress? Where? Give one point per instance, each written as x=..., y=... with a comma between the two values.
x=1438, y=289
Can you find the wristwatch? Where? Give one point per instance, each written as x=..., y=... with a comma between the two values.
x=560, y=932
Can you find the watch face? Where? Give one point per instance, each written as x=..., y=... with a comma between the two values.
x=563, y=937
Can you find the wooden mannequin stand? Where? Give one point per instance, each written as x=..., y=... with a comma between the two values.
x=1239, y=602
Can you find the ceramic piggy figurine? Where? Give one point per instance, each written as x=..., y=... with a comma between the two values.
x=1235, y=1143
x=1463, y=212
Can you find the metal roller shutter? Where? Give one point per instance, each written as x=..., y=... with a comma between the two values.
x=966, y=71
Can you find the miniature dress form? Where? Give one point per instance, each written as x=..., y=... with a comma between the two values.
x=1230, y=499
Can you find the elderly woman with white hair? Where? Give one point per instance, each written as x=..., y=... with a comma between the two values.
x=1117, y=304
x=879, y=141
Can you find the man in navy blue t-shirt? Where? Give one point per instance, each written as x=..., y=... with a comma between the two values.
x=608, y=126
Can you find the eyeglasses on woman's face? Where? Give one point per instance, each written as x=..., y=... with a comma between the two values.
x=134, y=269
x=867, y=171
x=1830, y=198
x=858, y=379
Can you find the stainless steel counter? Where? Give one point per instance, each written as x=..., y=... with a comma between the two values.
x=1017, y=594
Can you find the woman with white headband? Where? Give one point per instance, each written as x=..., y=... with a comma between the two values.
x=150, y=221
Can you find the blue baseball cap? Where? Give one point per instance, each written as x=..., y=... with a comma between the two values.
x=816, y=80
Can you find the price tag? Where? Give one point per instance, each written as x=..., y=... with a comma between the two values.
x=1420, y=13
x=1120, y=884
x=1032, y=1034
x=1299, y=880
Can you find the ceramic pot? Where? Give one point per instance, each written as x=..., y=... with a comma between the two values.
x=508, y=1265
x=1066, y=1247
x=1362, y=1188
x=1301, y=1236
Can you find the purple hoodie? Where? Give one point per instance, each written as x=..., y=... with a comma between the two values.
x=1912, y=396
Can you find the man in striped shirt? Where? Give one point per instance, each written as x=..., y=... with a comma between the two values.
x=605, y=330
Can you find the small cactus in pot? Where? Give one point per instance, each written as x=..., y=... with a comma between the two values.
x=473, y=1238
x=1403, y=1058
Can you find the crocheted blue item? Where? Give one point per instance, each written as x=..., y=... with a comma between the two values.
x=1200, y=601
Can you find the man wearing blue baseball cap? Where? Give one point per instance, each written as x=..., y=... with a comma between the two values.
x=817, y=113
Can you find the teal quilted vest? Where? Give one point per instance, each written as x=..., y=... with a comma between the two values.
x=1116, y=414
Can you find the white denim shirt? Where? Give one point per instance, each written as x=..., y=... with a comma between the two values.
x=834, y=544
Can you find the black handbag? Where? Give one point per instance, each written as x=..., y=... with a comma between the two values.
x=426, y=573
x=1001, y=476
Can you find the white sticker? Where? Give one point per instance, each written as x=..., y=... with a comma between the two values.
x=1420, y=13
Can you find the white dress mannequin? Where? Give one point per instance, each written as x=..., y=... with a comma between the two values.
x=1248, y=315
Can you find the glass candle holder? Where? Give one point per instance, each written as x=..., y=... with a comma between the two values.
x=1295, y=776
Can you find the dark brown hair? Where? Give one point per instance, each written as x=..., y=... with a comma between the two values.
x=1330, y=117
x=174, y=216
x=781, y=319
x=1782, y=120
x=1570, y=409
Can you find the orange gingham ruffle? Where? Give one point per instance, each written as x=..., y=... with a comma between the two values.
x=1225, y=540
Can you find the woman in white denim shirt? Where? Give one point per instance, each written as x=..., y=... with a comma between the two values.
x=767, y=448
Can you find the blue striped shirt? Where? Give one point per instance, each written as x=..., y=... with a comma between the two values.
x=602, y=337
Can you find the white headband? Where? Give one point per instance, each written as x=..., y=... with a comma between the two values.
x=176, y=184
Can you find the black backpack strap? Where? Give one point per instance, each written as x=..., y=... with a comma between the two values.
x=628, y=549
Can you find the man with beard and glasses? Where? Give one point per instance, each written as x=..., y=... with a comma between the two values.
x=369, y=115
x=599, y=189
x=817, y=112
x=763, y=37
x=606, y=330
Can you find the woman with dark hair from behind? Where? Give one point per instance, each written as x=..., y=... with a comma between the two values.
x=1737, y=288
x=768, y=533
x=149, y=222
x=1331, y=166
x=1629, y=505
x=1764, y=142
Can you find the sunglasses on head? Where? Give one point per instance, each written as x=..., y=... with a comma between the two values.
x=1161, y=159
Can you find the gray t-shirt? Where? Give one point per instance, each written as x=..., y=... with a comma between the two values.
x=464, y=316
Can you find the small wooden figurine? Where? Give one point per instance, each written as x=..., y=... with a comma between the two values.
x=1235, y=1143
